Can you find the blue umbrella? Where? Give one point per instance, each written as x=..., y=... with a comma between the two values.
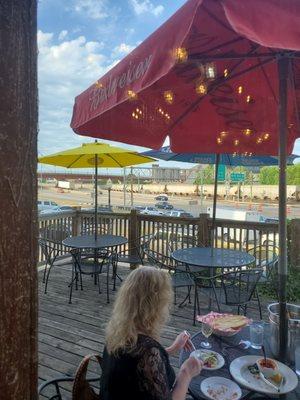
x=166, y=154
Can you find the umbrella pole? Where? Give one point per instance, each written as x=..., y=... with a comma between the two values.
x=215, y=199
x=283, y=63
x=96, y=196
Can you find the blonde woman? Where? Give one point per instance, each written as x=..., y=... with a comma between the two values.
x=135, y=365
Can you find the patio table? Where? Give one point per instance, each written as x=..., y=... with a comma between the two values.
x=208, y=257
x=89, y=242
x=217, y=345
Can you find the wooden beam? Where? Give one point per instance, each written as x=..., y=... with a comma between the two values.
x=18, y=199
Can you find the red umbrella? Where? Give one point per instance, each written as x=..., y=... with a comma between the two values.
x=220, y=76
x=209, y=71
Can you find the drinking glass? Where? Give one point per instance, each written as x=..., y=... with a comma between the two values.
x=257, y=334
x=297, y=358
x=206, y=330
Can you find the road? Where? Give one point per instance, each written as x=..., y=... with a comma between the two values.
x=83, y=198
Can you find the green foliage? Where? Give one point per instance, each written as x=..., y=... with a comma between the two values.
x=270, y=175
x=270, y=290
x=206, y=176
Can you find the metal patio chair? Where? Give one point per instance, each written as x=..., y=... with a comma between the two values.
x=134, y=254
x=54, y=256
x=180, y=278
x=81, y=388
x=234, y=288
x=94, y=267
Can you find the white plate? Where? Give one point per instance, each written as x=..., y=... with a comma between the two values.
x=224, y=389
x=197, y=354
x=239, y=371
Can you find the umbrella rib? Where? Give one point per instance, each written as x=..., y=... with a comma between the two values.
x=73, y=162
x=120, y=165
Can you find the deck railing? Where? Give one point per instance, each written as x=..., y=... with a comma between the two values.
x=238, y=235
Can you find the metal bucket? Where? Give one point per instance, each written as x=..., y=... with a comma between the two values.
x=293, y=329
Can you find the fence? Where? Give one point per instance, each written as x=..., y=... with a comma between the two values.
x=238, y=235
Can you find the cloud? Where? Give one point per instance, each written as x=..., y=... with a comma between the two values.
x=146, y=6
x=65, y=69
x=123, y=49
x=95, y=9
x=63, y=34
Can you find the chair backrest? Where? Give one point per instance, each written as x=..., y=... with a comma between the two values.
x=181, y=242
x=82, y=389
x=49, y=249
x=55, y=233
x=266, y=257
x=79, y=259
x=160, y=260
x=239, y=286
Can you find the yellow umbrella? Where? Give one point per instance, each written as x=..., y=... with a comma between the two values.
x=94, y=155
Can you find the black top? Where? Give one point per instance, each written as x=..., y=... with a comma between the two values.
x=212, y=257
x=88, y=241
x=143, y=374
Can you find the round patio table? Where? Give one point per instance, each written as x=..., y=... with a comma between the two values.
x=208, y=257
x=89, y=242
x=218, y=345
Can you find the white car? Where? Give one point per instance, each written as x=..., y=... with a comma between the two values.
x=47, y=205
x=151, y=211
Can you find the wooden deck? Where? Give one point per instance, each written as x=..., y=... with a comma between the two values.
x=67, y=332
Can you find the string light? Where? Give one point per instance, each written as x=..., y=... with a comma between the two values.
x=219, y=140
x=247, y=132
x=259, y=140
x=131, y=94
x=248, y=99
x=240, y=89
x=181, y=54
x=250, y=154
x=236, y=142
x=225, y=73
x=223, y=134
x=163, y=113
x=169, y=97
x=210, y=71
x=266, y=136
x=234, y=154
x=98, y=85
x=201, y=88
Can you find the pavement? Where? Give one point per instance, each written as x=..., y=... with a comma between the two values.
x=83, y=198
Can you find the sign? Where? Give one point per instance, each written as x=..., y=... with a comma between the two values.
x=237, y=177
x=221, y=172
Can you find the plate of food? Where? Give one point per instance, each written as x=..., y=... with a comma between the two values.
x=219, y=388
x=211, y=359
x=225, y=324
x=268, y=377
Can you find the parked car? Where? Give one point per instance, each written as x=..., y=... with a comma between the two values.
x=179, y=213
x=47, y=205
x=162, y=197
x=164, y=205
x=66, y=208
x=151, y=211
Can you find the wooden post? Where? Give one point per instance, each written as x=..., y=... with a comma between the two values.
x=76, y=225
x=295, y=242
x=203, y=230
x=133, y=234
x=18, y=199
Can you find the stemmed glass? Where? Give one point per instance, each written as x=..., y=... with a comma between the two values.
x=206, y=330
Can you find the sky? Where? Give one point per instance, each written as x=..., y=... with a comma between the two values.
x=78, y=41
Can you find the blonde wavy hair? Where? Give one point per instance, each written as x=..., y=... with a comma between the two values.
x=142, y=306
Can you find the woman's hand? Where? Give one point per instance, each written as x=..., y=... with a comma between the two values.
x=182, y=341
x=192, y=367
